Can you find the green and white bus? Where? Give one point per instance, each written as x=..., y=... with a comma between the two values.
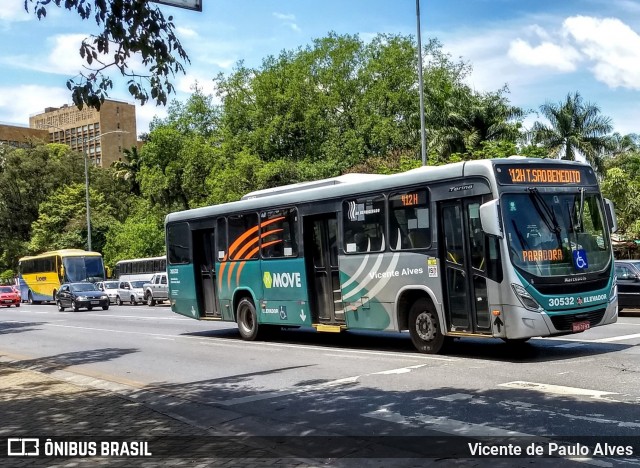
x=508, y=248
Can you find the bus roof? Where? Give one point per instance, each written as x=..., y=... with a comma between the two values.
x=63, y=253
x=140, y=259
x=338, y=187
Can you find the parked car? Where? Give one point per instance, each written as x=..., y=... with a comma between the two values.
x=81, y=296
x=157, y=289
x=110, y=288
x=9, y=296
x=628, y=273
x=130, y=291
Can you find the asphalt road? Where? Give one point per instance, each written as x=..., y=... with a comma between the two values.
x=358, y=384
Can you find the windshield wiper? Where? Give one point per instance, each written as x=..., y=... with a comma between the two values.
x=546, y=213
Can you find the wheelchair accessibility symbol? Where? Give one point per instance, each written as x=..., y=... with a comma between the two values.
x=580, y=259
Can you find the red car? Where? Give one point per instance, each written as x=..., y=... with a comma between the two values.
x=9, y=297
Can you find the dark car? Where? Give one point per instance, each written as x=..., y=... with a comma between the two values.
x=628, y=273
x=81, y=295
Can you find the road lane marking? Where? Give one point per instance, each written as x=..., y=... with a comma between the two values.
x=617, y=338
x=245, y=344
x=556, y=389
x=136, y=317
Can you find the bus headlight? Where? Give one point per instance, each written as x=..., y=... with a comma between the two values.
x=525, y=298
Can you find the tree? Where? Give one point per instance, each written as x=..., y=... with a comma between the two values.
x=128, y=28
x=575, y=129
x=129, y=169
x=62, y=223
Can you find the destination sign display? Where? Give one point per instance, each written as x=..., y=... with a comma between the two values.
x=544, y=175
x=414, y=198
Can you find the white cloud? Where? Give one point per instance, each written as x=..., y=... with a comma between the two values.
x=613, y=47
x=186, y=84
x=186, y=32
x=285, y=17
x=289, y=20
x=13, y=10
x=145, y=114
x=546, y=54
x=32, y=100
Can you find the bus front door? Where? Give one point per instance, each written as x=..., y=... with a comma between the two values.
x=321, y=259
x=462, y=255
x=204, y=262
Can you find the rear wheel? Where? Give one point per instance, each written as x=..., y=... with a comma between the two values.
x=133, y=300
x=118, y=301
x=247, y=320
x=30, y=298
x=105, y=307
x=18, y=304
x=424, y=327
x=150, y=300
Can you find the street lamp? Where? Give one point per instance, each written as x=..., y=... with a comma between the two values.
x=86, y=178
x=423, y=140
x=86, y=171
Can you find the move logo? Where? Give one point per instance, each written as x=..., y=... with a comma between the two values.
x=281, y=280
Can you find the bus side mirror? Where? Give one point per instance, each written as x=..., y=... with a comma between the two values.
x=611, y=215
x=490, y=218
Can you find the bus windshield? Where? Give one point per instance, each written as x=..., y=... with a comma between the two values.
x=556, y=234
x=83, y=269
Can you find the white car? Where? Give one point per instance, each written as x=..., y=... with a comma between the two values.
x=110, y=288
x=130, y=291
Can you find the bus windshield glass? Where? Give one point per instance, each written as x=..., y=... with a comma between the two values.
x=556, y=234
x=83, y=269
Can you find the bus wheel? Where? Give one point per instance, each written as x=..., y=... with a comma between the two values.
x=60, y=307
x=424, y=327
x=30, y=298
x=247, y=320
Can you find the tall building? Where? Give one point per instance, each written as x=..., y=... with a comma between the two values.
x=102, y=135
x=21, y=137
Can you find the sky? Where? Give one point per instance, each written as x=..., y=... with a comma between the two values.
x=542, y=50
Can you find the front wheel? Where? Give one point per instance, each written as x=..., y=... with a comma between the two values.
x=60, y=307
x=75, y=306
x=150, y=300
x=247, y=320
x=424, y=327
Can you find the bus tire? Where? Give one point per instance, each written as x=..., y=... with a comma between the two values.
x=150, y=300
x=60, y=307
x=30, y=297
x=247, y=320
x=55, y=293
x=424, y=327
x=74, y=306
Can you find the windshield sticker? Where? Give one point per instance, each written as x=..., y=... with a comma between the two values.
x=580, y=259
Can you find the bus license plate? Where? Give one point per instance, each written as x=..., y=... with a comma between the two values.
x=98, y=302
x=580, y=326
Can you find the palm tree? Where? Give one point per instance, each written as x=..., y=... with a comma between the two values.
x=129, y=169
x=575, y=129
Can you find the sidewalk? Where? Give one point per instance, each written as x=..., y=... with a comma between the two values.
x=34, y=404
